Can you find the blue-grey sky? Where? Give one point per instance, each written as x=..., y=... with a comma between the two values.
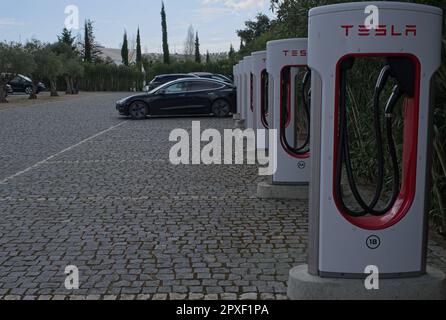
x=215, y=20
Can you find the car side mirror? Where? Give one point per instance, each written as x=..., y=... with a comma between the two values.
x=146, y=89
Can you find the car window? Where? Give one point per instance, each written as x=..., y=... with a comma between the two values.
x=217, y=78
x=26, y=78
x=203, y=85
x=221, y=78
x=176, y=88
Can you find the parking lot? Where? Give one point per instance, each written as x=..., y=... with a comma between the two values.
x=81, y=186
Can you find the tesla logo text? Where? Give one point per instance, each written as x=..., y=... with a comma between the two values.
x=295, y=53
x=380, y=31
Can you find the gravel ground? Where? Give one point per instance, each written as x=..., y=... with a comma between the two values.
x=81, y=186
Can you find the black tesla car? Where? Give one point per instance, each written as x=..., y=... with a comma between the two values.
x=190, y=96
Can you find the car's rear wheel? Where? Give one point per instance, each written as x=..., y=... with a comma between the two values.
x=221, y=108
x=29, y=90
x=137, y=110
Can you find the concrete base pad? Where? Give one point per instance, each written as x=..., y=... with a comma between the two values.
x=303, y=286
x=240, y=124
x=237, y=116
x=273, y=191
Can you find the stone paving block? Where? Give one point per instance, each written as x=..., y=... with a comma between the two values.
x=249, y=296
x=159, y=296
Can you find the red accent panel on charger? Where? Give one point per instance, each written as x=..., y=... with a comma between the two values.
x=282, y=129
x=410, y=153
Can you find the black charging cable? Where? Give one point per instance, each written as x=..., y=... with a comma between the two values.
x=265, y=97
x=306, y=101
x=304, y=148
x=402, y=71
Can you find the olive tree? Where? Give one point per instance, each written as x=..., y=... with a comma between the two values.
x=37, y=50
x=14, y=60
x=73, y=70
x=51, y=66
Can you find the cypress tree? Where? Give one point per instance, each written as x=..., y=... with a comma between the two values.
x=91, y=52
x=125, y=50
x=197, y=49
x=166, y=53
x=87, y=43
x=138, y=51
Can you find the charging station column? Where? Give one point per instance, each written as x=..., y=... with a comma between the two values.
x=243, y=90
x=287, y=66
x=393, y=65
x=288, y=116
x=249, y=80
x=260, y=96
x=235, y=73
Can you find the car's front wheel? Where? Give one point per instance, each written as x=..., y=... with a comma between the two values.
x=137, y=110
x=221, y=108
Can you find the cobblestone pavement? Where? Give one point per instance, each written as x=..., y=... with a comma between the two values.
x=81, y=186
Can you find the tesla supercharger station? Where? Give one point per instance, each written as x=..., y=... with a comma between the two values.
x=287, y=71
x=237, y=115
x=241, y=89
x=239, y=84
x=248, y=79
x=260, y=98
x=347, y=231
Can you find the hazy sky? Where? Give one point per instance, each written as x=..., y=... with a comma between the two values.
x=215, y=20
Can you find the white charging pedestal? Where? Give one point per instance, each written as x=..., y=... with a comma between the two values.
x=285, y=58
x=259, y=97
x=247, y=70
x=242, y=97
x=249, y=103
x=342, y=245
x=237, y=116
